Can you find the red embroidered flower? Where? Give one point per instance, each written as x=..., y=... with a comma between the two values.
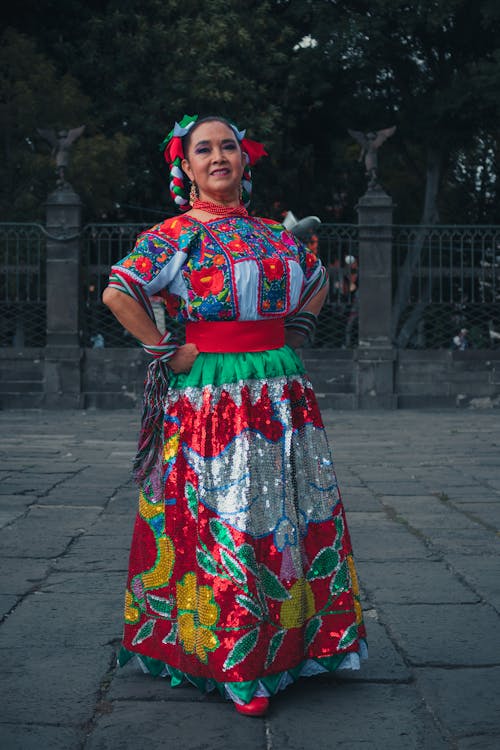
x=311, y=260
x=238, y=246
x=273, y=268
x=143, y=265
x=207, y=281
x=173, y=227
x=171, y=301
x=219, y=260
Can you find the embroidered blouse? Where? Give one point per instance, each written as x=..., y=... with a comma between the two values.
x=237, y=268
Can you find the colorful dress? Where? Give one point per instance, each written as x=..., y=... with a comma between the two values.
x=241, y=573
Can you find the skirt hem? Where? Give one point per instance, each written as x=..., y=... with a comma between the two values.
x=243, y=692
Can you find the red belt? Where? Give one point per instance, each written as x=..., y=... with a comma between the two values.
x=236, y=335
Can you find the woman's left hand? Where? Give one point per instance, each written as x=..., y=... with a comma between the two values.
x=183, y=359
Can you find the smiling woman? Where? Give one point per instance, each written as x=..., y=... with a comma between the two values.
x=241, y=573
x=215, y=163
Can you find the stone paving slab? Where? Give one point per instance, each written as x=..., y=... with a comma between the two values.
x=45, y=532
x=7, y=602
x=197, y=726
x=452, y=635
x=480, y=742
x=422, y=494
x=487, y=513
x=94, y=621
x=19, y=736
x=421, y=582
x=385, y=542
x=472, y=541
x=353, y=717
x=94, y=554
x=56, y=685
x=482, y=574
x=20, y=574
x=466, y=701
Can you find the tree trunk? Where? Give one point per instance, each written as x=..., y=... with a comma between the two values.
x=435, y=160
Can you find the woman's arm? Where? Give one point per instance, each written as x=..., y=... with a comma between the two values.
x=137, y=322
x=294, y=338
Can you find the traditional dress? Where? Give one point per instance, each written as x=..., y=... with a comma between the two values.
x=241, y=572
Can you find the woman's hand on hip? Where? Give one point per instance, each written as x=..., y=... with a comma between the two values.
x=183, y=359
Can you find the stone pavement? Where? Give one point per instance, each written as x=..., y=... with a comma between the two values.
x=422, y=493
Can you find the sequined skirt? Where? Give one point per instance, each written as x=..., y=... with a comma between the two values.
x=241, y=572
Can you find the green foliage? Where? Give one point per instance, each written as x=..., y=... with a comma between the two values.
x=297, y=75
x=33, y=96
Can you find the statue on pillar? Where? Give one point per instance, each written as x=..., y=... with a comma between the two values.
x=370, y=144
x=61, y=143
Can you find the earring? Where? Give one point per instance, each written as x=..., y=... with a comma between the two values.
x=193, y=193
x=241, y=192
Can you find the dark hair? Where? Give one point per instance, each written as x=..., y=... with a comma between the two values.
x=186, y=141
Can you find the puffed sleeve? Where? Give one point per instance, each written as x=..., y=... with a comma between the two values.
x=315, y=276
x=153, y=263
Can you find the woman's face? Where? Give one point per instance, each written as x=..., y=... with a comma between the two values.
x=215, y=162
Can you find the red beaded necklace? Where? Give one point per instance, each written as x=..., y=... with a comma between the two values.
x=218, y=209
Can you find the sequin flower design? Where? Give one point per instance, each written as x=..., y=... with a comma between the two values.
x=197, y=617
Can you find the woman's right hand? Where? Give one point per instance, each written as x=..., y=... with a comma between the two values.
x=183, y=359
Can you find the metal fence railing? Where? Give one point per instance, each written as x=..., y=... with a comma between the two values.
x=22, y=285
x=447, y=286
x=338, y=320
x=103, y=245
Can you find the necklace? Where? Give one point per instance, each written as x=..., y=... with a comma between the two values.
x=218, y=210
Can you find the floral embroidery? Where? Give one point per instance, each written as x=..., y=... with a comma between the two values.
x=206, y=281
x=274, y=285
x=197, y=617
x=311, y=260
x=206, y=276
x=238, y=247
x=172, y=303
x=273, y=268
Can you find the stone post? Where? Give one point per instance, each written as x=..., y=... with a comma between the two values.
x=375, y=355
x=63, y=352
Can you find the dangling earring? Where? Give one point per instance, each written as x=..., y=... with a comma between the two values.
x=193, y=193
x=241, y=192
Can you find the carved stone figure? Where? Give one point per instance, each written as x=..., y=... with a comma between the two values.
x=370, y=143
x=61, y=143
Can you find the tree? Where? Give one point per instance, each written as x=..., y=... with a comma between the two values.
x=431, y=68
x=33, y=95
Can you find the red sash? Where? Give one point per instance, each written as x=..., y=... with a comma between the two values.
x=236, y=335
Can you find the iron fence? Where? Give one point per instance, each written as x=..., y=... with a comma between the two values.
x=102, y=245
x=22, y=285
x=338, y=320
x=447, y=286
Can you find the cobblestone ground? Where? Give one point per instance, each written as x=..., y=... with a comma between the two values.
x=422, y=493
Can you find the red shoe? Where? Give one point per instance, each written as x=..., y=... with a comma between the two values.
x=256, y=707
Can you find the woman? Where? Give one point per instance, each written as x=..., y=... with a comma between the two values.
x=241, y=574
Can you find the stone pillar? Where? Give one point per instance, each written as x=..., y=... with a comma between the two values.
x=375, y=355
x=63, y=352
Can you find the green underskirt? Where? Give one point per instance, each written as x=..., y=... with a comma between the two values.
x=218, y=369
x=244, y=691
